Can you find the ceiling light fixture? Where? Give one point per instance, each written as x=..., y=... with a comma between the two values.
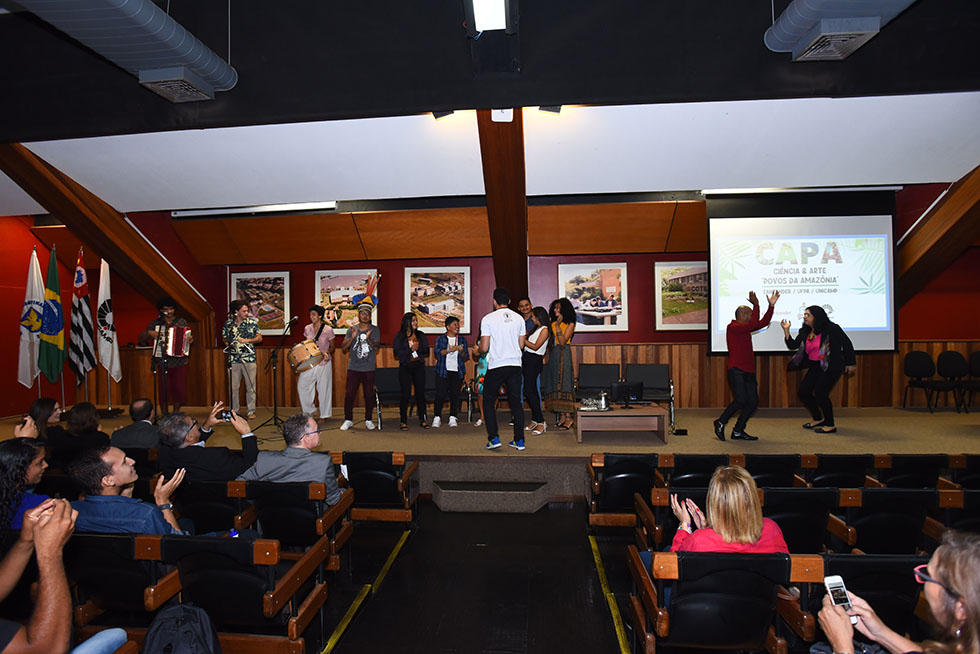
x=442, y=114
x=294, y=207
x=551, y=108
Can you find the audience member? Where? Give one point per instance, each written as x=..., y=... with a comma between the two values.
x=362, y=342
x=46, y=413
x=22, y=465
x=532, y=362
x=84, y=432
x=107, y=476
x=298, y=461
x=734, y=521
x=27, y=428
x=183, y=446
x=411, y=347
x=142, y=433
x=951, y=587
x=502, y=338
x=558, y=385
x=451, y=353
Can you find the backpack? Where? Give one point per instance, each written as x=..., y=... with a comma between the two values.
x=182, y=629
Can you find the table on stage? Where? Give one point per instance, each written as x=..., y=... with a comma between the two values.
x=651, y=418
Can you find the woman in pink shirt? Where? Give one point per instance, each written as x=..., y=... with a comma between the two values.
x=734, y=521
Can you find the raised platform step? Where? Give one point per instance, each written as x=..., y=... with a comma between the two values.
x=490, y=496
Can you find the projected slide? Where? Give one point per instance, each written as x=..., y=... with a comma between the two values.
x=843, y=264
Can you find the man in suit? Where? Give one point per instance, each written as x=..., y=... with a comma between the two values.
x=298, y=462
x=183, y=440
x=142, y=433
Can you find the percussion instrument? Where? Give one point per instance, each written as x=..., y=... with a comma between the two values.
x=175, y=341
x=304, y=356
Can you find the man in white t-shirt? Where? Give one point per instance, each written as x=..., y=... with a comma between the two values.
x=502, y=337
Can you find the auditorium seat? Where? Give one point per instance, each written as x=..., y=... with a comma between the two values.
x=297, y=516
x=691, y=470
x=615, y=478
x=706, y=590
x=886, y=520
x=802, y=515
x=385, y=486
x=840, y=470
x=910, y=470
x=213, y=506
x=774, y=469
x=246, y=587
x=968, y=475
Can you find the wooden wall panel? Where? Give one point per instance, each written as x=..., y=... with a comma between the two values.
x=424, y=234
x=599, y=228
x=68, y=244
x=209, y=241
x=699, y=380
x=689, y=228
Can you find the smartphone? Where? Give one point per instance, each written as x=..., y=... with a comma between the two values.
x=838, y=593
x=224, y=414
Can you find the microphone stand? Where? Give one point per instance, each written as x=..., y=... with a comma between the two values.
x=274, y=363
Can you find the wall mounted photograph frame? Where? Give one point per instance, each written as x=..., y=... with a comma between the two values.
x=598, y=293
x=434, y=293
x=267, y=295
x=680, y=295
x=338, y=292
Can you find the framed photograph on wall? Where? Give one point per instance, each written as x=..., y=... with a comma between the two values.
x=338, y=291
x=598, y=294
x=435, y=293
x=267, y=295
x=681, y=290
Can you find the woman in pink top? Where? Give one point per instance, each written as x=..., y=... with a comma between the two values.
x=734, y=522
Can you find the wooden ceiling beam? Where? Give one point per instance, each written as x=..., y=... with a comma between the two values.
x=103, y=228
x=502, y=151
x=944, y=234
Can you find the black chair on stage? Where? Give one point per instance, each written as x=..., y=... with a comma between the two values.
x=972, y=384
x=953, y=368
x=385, y=487
x=706, y=591
x=778, y=470
x=615, y=478
x=841, y=470
x=919, y=368
x=803, y=515
x=465, y=393
x=387, y=391
x=246, y=587
x=297, y=515
x=657, y=384
x=694, y=470
x=912, y=470
x=594, y=378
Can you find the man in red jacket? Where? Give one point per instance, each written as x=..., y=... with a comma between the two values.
x=741, y=366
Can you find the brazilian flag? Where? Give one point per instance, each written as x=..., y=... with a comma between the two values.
x=52, y=352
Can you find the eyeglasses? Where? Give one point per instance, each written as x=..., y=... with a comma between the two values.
x=191, y=428
x=922, y=577
x=313, y=432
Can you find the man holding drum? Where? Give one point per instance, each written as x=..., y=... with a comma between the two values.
x=241, y=333
x=318, y=380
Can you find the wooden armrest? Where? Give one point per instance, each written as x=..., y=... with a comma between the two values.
x=307, y=611
x=933, y=529
x=658, y=479
x=287, y=586
x=646, y=519
x=799, y=482
x=85, y=613
x=871, y=482
x=642, y=581
x=409, y=471
x=335, y=512
x=775, y=644
x=592, y=473
x=839, y=528
x=129, y=647
x=246, y=517
x=802, y=623
x=160, y=593
x=947, y=484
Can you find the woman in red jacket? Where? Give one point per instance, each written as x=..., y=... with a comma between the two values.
x=734, y=521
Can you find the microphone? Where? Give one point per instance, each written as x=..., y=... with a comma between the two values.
x=292, y=320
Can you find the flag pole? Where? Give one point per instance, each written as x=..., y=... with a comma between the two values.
x=108, y=388
x=62, y=389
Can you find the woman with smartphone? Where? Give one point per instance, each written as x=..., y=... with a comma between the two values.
x=951, y=586
x=734, y=521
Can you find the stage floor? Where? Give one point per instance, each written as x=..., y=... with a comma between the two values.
x=877, y=431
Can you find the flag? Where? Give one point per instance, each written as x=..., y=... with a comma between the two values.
x=30, y=324
x=51, y=354
x=108, y=345
x=81, y=346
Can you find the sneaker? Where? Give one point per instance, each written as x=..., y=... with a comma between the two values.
x=251, y=415
x=493, y=443
x=436, y=422
x=479, y=422
x=742, y=436
x=720, y=430
x=517, y=445
x=511, y=423
x=369, y=424
x=452, y=422
x=347, y=424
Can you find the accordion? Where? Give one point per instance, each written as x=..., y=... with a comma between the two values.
x=174, y=341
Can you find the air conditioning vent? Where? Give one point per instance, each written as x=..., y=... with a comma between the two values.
x=834, y=47
x=176, y=84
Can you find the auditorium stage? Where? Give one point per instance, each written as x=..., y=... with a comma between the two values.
x=871, y=430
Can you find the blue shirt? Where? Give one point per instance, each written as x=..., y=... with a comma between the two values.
x=115, y=514
x=442, y=343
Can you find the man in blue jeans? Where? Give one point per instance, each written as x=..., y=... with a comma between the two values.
x=741, y=366
x=502, y=338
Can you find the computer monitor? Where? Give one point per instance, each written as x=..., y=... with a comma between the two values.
x=623, y=392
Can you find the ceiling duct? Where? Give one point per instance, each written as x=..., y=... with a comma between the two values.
x=830, y=30
x=143, y=40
